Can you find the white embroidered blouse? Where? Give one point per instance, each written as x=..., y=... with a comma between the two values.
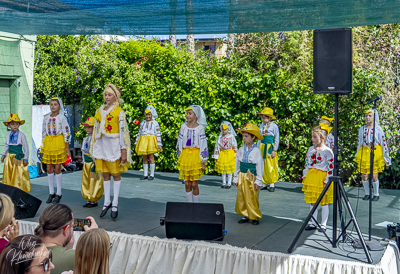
x=15, y=139
x=56, y=126
x=193, y=137
x=330, y=141
x=253, y=157
x=225, y=142
x=150, y=128
x=365, y=138
x=319, y=159
x=273, y=130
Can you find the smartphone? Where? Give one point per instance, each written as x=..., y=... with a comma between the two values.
x=80, y=223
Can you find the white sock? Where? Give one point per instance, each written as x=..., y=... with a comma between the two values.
x=229, y=179
x=145, y=169
x=59, y=184
x=50, y=179
x=366, y=187
x=117, y=186
x=325, y=215
x=189, y=196
x=376, y=188
x=223, y=179
x=152, y=169
x=196, y=198
x=315, y=215
x=107, y=192
x=272, y=185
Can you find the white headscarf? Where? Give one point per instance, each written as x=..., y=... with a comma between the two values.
x=377, y=121
x=152, y=110
x=231, y=130
x=60, y=102
x=200, y=115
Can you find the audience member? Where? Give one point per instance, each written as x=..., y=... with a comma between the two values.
x=9, y=228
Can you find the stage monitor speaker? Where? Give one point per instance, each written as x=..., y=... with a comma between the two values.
x=25, y=204
x=197, y=221
x=333, y=61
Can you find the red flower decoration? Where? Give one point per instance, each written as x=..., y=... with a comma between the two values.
x=54, y=119
x=313, y=156
x=319, y=158
x=11, y=115
x=109, y=127
x=314, y=162
x=109, y=118
x=330, y=172
x=136, y=122
x=331, y=166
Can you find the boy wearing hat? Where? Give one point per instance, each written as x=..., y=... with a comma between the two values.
x=92, y=183
x=16, y=154
x=269, y=145
x=248, y=175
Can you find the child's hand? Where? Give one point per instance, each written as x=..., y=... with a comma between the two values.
x=203, y=166
x=12, y=230
x=123, y=156
x=2, y=159
x=25, y=163
x=256, y=187
x=273, y=154
x=235, y=184
x=159, y=148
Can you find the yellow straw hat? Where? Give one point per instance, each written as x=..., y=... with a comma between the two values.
x=225, y=126
x=89, y=122
x=14, y=118
x=325, y=127
x=268, y=112
x=252, y=129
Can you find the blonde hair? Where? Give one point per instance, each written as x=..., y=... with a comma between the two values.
x=326, y=122
x=321, y=132
x=92, y=252
x=111, y=88
x=6, y=210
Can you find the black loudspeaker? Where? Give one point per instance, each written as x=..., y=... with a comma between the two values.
x=197, y=221
x=25, y=204
x=333, y=61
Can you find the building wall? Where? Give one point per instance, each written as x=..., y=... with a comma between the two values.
x=17, y=61
x=218, y=47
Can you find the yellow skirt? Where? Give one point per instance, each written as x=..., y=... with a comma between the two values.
x=363, y=160
x=247, y=203
x=92, y=184
x=113, y=168
x=271, y=173
x=147, y=144
x=313, y=185
x=16, y=174
x=226, y=161
x=54, y=150
x=189, y=165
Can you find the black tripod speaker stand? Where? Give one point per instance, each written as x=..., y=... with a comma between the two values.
x=339, y=194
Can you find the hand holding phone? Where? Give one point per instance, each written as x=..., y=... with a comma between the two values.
x=80, y=224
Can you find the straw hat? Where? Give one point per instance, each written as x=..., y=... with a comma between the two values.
x=89, y=122
x=14, y=118
x=252, y=129
x=268, y=112
x=325, y=127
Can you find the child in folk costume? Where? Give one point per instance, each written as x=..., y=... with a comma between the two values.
x=225, y=153
x=148, y=141
x=330, y=139
x=381, y=156
x=269, y=146
x=16, y=153
x=92, y=183
x=192, y=151
x=55, y=146
x=111, y=146
x=248, y=175
x=316, y=173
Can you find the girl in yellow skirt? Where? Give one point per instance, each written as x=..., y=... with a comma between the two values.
x=192, y=151
x=225, y=153
x=316, y=173
x=55, y=146
x=92, y=183
x=148, y=141
x=269, y=146
x=330, y=139
x=248, y=175
x=381, y=155
x=111, y=146
x=16, y=153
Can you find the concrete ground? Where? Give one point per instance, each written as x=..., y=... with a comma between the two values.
x=142, y=203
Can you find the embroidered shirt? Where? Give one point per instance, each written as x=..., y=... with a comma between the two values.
x=15, y=139
x=150, y=128
x=225, y=142
x=330, y=141
x=86, y=144
x=319, y=159
x=56, y=126
x=193, y=137
x=365, y=138
x=273, y=130
x=254, y=157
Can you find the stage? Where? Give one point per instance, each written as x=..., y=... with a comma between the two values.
x=142, y=203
